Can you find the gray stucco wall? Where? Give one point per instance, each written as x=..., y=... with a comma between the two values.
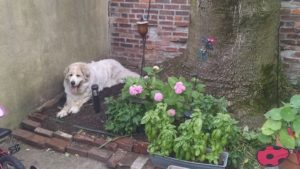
x=38, y=39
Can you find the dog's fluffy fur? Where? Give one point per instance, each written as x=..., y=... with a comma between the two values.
x=79, y=77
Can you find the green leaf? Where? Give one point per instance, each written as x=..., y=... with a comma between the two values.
x=274, y=114
x=286, y=140
x=172, y=81
x=295, y=101
x=272, y=124
x=264, y=138
x=296, y=125
x=195, y=94
x=148, y=70
x=288, y=114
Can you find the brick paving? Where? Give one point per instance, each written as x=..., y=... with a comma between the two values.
x=121, y=153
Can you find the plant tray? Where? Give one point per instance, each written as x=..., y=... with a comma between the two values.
x=164, y=162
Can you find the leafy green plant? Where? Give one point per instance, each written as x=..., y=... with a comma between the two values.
x=283, y=123
x=161, y=133
x=123, y=117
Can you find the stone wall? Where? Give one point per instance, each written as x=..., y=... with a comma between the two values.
x=38, y=40
x=290, y=39
x=167, y=35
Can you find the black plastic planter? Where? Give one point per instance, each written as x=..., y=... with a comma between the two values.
x=164, y=162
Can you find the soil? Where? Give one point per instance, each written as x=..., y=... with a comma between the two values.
x=86, y=118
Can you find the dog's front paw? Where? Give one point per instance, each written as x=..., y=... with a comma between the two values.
x=74, y=110
x=61, y=114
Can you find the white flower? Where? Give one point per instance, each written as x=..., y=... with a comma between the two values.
x=155, y=68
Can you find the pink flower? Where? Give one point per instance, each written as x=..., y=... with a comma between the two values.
x=211, y=40
x=2, y=112
x=134, y=90
x=179, y=88
x=158, y=97
x=171, y=112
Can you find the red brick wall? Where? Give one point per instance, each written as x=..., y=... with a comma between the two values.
x=290, y=39
x=167, y=35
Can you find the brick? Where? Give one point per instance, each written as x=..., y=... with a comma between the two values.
x=295, y=11
x=174, y=7
x=140, y=147
x=182, y=24
x=43, y=132
x=63, y=135
x=30, y=124
x=110, y=146
x=38, y=117
x=126, y=5
x=80, y=149
x=297, y=24
x=125, y=143
x=179, y=1
x=127, y=161
x=57, y=144
x=164, y=12
x=140, y=162
x=182, y=13
x=99, y=154
x=36, y=141
x=115, y=158
x=149, y=165
x=162, y=1
x=21, y=134
x=297, y=54
x=83, y=138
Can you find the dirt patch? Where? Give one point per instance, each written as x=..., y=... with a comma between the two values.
x=86, y=118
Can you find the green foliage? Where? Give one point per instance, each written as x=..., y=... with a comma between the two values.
x=123, y=117
x=283, y=123
x=161, y=133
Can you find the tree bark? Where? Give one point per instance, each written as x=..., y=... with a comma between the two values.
x=242, y=66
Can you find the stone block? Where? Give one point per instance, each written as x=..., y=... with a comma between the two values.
x=127, y=161
x=44, y=132
x=140, y=162
x=125, y=143
x=80, y=149
x=39, y=117
x=83, y=138
x=140, y=147
x=63, y=135
x=57, y=144
x=115, y=158
x=30, y=124
x=21, y=134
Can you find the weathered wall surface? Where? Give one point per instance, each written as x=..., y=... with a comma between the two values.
x=167, y=35
x=290, y=39
x=38, y=39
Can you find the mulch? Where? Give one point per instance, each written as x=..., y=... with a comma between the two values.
x=85, y=118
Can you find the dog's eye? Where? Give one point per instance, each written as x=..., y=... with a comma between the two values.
x=71, y=75
x=77, y=75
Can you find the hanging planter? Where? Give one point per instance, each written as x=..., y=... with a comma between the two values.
x=164, y=162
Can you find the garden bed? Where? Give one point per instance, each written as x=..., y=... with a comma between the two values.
x=86, y=118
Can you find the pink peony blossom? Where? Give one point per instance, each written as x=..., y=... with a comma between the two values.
x=179, y=88
x=158, y=97
x=171, y=112
x=135, y=90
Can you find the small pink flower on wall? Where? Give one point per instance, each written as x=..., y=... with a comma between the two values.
x=158, y=97
x=179, y=88
x=171, y=112
x=135, y=90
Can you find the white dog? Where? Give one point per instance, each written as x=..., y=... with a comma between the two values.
x=79, y=77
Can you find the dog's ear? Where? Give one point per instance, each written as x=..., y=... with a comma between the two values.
x=85, y=71
x=66, y=71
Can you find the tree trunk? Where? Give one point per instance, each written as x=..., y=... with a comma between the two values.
x=242, y=67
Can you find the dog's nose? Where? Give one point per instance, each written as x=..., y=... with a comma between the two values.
x=72, y=83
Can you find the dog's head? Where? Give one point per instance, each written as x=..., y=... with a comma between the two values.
x=76, y=74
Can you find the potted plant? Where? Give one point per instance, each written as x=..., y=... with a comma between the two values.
x=282, y=126
x=187, y=145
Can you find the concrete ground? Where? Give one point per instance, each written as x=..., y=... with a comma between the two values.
x=48, y=159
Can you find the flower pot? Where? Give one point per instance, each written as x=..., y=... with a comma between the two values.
x=164, y=162
x=291, y=162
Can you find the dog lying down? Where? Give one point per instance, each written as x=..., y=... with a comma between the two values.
x=79, y=77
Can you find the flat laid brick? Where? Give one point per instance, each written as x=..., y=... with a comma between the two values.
x=125, y=143
x=80, y=149
x=63, y=135
x=83, y=138
x=37, y=141
x=127, y=161
x=140, y=162
x=57, y=144
x=110, y=146
x=44, y=132
x=115, y=158
x=140, y=147
x=39, y=117
x=30, y=124
x=99, y=154
x=21, y=134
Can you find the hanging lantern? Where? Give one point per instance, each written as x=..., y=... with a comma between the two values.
x=142, y=27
